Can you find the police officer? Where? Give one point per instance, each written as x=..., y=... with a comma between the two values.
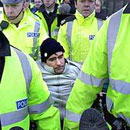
x=23, y=93
x=37, y=4
x=24, y=30
x=48, y=14
x=77, y=32
x=108, y=58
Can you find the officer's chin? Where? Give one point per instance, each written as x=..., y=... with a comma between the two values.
x=10, y=18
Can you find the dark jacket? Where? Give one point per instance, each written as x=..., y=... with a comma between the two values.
x=49, y=17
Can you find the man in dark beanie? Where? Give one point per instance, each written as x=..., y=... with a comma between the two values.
x=52, y=54
x=58, y=72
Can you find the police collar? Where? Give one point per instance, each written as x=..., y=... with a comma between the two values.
x=4, y=46
x=127, y=9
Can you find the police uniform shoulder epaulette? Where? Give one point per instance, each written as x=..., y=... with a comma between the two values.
x=36, y=16
x=68, y=19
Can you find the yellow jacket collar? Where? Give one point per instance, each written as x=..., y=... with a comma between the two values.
x=81, y=18
x=24, y=19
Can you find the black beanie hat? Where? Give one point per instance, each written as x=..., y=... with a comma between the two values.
x=48, y=47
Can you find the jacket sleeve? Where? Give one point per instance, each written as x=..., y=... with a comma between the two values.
x=41, y=107
x=89, y=82
x=62, y=38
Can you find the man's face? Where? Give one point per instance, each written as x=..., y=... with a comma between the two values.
x=98, y=6
x=12, y=10
x=38, y=3
x=48, y=3
x=85, y=7
x=56, y=61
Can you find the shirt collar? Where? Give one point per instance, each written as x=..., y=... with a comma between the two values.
x=50, y=11
x=88, y=20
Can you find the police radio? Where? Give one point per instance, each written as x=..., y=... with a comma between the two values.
x=3, y=25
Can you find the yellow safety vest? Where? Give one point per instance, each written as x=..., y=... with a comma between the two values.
x=28, y=36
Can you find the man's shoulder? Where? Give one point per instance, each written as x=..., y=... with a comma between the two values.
x=74, y=64
x=72, y=69
x=68, y=19
x=32, y=17
x=39, y=63
x=36, y=17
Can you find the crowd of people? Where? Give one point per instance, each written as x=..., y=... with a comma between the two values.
x=64, y=65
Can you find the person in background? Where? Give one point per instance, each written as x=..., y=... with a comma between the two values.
x=72, y=5
x=78, y=31
x=99, y=12
x=24, y=30
x=27, y=3
x=37, y=4
x=64, y=9
x=108, y=59
x=24, y=96
x=57, y=72
x=48, y=14
x=98, y=6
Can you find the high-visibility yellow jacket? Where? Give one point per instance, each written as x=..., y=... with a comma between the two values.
x=51, y=27
x=59, y=2
x=76, y=36
x=28, y=36
x=109, y=57
x=25, y=96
